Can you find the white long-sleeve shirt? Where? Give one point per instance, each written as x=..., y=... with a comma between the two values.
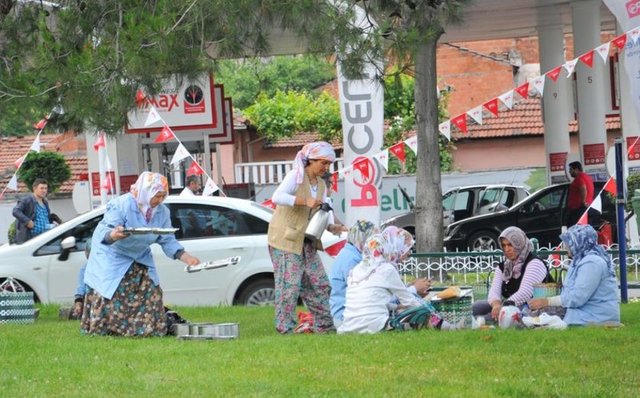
x=368, y=293
x=285, y=194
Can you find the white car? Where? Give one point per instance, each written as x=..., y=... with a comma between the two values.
x=210, y=228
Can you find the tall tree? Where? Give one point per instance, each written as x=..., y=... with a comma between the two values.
x=91, y=57
x=410, y=30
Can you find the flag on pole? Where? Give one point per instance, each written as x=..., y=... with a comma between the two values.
x=180, y=153
x=153, y=117
x=210, y=187
x=194, y=169
x=507, y=99
x=398, y=150
x=570, y=66
x=538, y=84
x=610, y=186
x=166, y=134
x=461, y=122
x=41, y=124
x=492, y=106
x=35, y=146
x=100, y=142
x=412, y=142
x=620, y=41
x=603, y=51
x=597, y=204
x=554, y=73
x=383, y=159
x=476, y=114
x=584, y=219
x=523, y=90
x=19, y=161
x=445, y=129
x=363, y=166
x=13, y=183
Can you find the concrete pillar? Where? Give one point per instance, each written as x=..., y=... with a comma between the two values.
x=590, y=85
x=557, y=103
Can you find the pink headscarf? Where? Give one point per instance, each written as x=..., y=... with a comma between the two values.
x=146, y=187
x=319, y=150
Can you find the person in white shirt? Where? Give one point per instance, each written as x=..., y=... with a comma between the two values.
x=375, y=281
x=192, y=186
x=374, y=286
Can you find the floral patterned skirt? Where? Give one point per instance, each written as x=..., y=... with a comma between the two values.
x=136, y=308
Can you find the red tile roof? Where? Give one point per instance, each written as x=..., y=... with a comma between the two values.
x=72, y=147
x=302, y=138
x=525, y=119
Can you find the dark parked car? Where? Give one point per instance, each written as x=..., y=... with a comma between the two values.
x=463, y=202
x=540, y=216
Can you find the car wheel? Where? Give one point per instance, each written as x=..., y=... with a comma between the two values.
x=483, y=241
x=260, y=292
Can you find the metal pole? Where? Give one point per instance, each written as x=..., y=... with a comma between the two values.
x=622, y=239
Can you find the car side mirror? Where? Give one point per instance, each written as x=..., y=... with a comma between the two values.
x=67, y=244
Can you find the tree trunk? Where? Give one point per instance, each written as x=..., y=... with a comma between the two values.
x=429, y=227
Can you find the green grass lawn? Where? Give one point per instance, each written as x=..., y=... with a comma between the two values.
x=51, y=358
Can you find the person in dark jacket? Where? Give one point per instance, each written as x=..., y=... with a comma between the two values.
x=32, y=213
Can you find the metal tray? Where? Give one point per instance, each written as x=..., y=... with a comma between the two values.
x=207, y=331
x=144, y=231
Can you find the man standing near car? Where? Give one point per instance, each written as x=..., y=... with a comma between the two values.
x=580, y=193
x=32, y=213
x=192, y=186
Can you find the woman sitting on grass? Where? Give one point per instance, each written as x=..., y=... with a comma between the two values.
x=375, y=282
x=514, y=278
x=590, y=290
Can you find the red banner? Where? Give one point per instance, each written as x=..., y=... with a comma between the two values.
x=95, y=183
x=633, y=148
x=593, y=154
x=557, y=161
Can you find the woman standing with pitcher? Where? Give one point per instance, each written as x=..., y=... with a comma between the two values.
x=298, y=270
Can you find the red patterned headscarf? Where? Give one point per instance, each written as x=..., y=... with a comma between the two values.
x=319, y=150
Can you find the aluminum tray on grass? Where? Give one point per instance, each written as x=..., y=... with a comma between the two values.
x=207, y=331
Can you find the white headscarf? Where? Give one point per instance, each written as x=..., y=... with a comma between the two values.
x=146, y=187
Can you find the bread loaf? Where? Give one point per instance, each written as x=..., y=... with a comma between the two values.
x=448, y=293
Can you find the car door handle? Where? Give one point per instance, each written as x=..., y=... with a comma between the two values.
x=238, y=248
x=37, y=268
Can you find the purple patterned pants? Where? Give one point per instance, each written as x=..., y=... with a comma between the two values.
x=300, y=276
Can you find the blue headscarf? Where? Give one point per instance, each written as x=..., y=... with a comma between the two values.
x=582, y=240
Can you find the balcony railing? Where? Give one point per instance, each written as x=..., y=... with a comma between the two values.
x=270, y=172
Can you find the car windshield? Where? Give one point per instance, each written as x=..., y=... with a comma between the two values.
x=498, y=195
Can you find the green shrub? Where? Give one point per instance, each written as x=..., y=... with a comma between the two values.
x=633, y=183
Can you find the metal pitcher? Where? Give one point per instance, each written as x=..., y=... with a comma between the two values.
x=318, y=222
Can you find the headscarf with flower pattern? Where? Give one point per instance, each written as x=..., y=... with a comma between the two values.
x=146, y=187
x=522, y=245
x=388, y=246
x=319, y=150
x=360, y=232
x=583, y=240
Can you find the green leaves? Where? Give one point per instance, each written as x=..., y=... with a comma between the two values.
x=48, y=165
x=291, y=112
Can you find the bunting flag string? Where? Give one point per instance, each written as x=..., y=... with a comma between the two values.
x=181, y=153
x=507, y=99
x=609, y=186
x=35, y=147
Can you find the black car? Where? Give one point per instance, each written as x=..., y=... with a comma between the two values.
x=540, y=216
